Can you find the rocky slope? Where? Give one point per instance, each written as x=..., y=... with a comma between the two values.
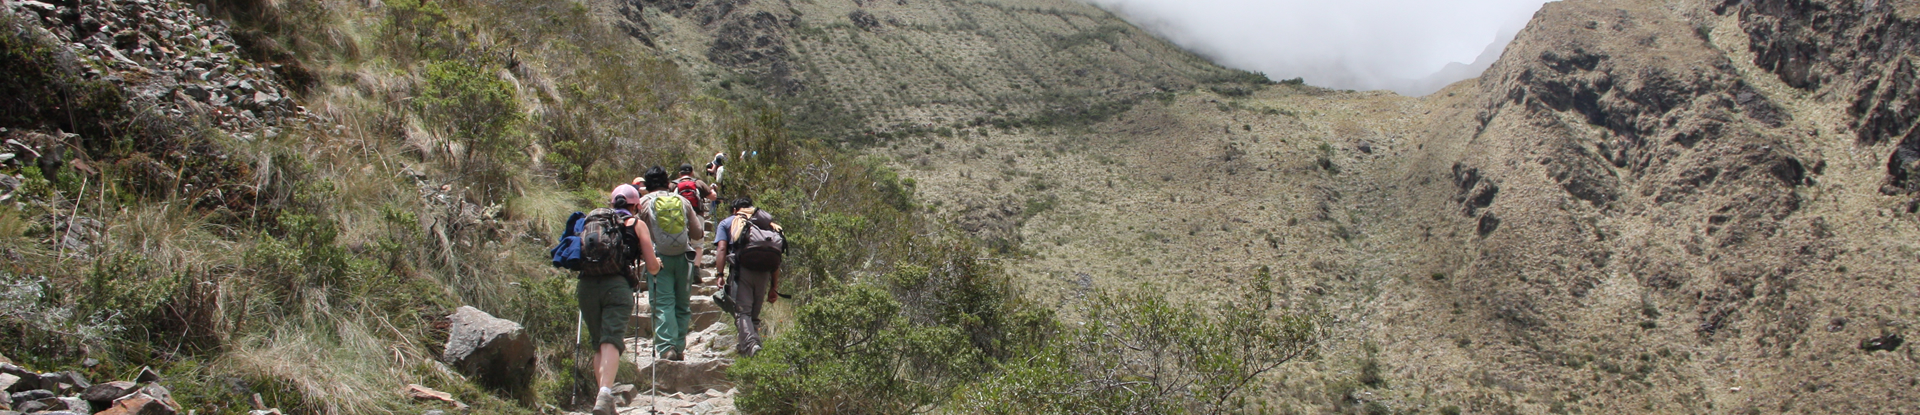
x=865, y=71
x=1665, y=206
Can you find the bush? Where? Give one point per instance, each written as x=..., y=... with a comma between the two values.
x=853, y=352
x=1199, y=361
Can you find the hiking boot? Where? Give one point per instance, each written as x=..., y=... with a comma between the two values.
x=675, y=355
x=606, y=403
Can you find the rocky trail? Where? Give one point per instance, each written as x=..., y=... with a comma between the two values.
x=696, y=385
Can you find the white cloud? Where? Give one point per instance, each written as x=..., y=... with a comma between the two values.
x=1349, y=44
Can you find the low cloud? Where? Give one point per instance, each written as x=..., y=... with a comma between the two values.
x=1402, y=45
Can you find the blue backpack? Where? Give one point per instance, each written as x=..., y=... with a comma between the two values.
x=567, y=253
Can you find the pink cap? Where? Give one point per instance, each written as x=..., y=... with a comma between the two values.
x=623, y=194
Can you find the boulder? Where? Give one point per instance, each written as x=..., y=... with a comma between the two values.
x=495, y=351
x=105, y=393
x=8, y=380
x=690, y=376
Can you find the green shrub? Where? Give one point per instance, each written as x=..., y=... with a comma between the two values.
x=853, y=352
x=1202, y=360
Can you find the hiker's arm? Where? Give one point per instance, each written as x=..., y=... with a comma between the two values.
x=646, y=246
x=773, y=287
x=720, y=262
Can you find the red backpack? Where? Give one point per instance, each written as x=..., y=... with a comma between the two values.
x=690, y=189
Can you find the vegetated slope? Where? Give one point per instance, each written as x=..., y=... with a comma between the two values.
x=864, y=71
x=1665, y=206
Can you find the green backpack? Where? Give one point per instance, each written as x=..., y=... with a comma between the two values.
x=669, y=214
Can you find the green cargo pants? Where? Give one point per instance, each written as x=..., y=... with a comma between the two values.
x=605, y=304
x=671, y=290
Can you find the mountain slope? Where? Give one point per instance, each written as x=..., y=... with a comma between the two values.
x=1668, y=206
x=865, y=71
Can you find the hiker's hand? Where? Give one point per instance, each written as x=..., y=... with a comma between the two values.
x=653, y=267
x=772, y=296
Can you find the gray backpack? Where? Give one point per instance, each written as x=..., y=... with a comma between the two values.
x=668, y=243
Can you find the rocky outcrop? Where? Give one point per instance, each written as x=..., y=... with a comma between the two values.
x=1863, y=52
x=495, y=351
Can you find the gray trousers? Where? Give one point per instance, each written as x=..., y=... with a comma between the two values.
x=750, y=293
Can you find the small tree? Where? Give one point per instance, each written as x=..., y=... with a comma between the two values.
x=479, y=110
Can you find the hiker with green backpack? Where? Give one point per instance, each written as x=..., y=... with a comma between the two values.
x=674, y=226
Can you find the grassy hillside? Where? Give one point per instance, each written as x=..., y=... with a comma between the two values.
x=405, y=158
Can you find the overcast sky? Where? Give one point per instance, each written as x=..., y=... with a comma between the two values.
x=1347, y=44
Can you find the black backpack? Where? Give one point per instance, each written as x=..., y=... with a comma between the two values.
x=757, y=244
x=607, y=246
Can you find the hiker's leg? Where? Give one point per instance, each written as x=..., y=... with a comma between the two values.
x=606, y=365
x=605, y=304
x=660, y=300
x=589, y=296
x=683, y=301
x=752, y=295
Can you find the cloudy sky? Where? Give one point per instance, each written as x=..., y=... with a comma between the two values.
x=1348, y=44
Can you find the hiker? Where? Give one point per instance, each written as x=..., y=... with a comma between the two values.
x=605, y=292
x=697, y=191
x=716, y=169
x=751, y=245
x=675, y=226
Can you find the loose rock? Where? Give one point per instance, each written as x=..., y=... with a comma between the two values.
x=1886, y=342
x=496, y=351
x=108, y=391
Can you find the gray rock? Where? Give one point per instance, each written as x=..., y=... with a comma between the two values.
x=159, y=393
x=25, y=380
x=33, y=406
x=108, y=391
x=63, y=381
x=196, y=92
x=496, y=351
x=147, y=375
x=76, y=405
x=29, y=396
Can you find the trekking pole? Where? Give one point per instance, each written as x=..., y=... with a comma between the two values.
x=579, y=324
x=653, y=385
